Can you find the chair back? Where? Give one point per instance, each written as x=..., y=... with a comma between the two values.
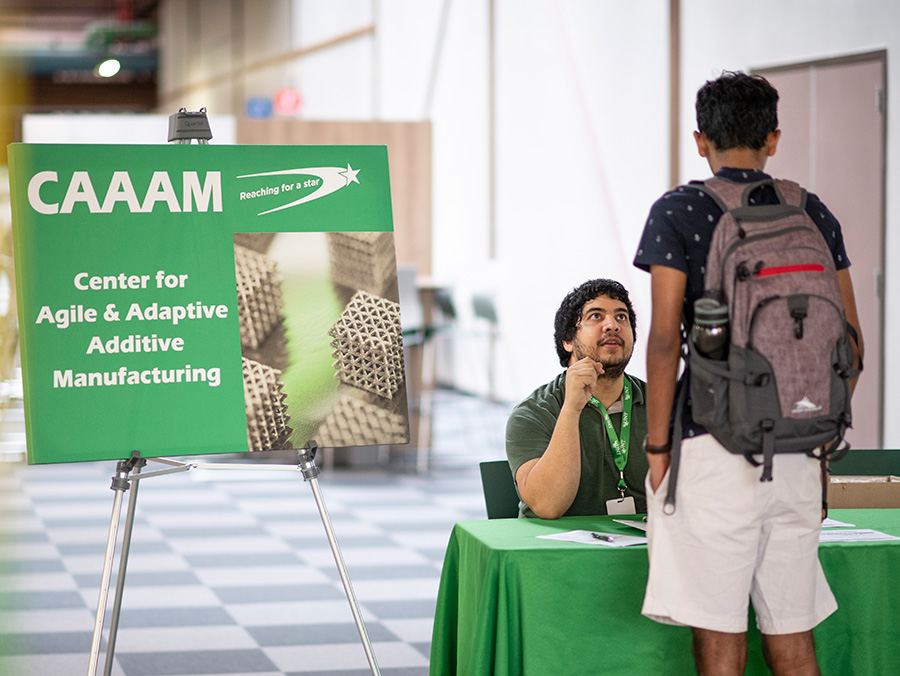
x=484, y=307
x=411, y=319
x=443, y=298
x=501, y=499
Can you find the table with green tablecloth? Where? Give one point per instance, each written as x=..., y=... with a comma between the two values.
x=511, y=603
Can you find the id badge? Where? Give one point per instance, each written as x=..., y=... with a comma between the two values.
x=621, y=506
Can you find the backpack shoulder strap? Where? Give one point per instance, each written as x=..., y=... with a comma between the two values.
x=726, y=194
x=675, y=458
x=790, y=193
x=730, y=195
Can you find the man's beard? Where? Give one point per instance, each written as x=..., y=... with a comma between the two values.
x=612, y=368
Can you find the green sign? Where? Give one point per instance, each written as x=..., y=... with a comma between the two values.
x=164, y=294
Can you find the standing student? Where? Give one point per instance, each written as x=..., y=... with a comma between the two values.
x=732, y=539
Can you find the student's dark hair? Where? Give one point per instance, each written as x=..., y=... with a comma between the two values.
x=569, y=312
x=737, y=110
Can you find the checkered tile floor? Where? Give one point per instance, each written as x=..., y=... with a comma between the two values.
x=230, y=571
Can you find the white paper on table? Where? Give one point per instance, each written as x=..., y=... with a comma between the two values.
x=827, y=523
x=855, y=535
x=585, y=537
x=831, y=523
x=640, y=525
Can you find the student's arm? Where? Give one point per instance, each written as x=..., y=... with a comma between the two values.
x=667, y=286
x=548, y=484
x=849, y=299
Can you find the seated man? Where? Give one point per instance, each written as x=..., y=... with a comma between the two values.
x=574, y=445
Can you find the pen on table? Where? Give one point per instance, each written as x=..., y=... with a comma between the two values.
x=603, y=536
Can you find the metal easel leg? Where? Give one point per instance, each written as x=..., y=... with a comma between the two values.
x=123, y=565
x=119, y=485
x=310, y=474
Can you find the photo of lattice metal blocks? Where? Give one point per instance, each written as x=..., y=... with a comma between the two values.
x=259, y=295
x=368, y=345
x=355, y=422
x=321, y=339
x=264, y=397
x=363, y=260
x=259, y=313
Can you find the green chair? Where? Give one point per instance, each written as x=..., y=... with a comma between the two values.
x=500, y=496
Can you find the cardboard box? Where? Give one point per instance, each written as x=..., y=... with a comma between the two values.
x=864, y=492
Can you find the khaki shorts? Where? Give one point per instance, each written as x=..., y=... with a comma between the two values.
x=734, y=538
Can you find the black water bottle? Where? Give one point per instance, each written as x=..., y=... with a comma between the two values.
x=710, y=330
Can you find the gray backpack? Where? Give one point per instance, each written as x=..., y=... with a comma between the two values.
x=785, y=384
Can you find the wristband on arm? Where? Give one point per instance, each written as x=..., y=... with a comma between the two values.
x=657, y=450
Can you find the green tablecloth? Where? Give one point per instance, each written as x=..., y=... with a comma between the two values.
x=512, y=604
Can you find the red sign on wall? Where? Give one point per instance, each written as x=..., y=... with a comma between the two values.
x=287, y=101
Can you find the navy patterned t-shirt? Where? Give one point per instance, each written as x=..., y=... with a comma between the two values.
x=679, y=229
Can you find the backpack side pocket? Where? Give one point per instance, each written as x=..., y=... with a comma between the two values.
x=709, y=384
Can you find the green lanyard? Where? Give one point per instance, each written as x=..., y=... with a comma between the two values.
x=619, y=444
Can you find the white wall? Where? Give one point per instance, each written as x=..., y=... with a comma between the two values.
x=124, y=128
x=579, y=161
x=572, y=188
x=581, y=136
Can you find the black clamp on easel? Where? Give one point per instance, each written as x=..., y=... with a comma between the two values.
x=185, y=126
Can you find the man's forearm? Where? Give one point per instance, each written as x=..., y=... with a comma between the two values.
x=662, y=367
x=662, y=364
x=849, y=300
x=663, y=358
x=549, y=484
x=667, y=286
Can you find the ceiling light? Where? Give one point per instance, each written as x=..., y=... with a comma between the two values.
x=108, y=68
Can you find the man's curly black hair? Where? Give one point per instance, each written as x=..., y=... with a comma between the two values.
x=569, y=312
x=737, y=110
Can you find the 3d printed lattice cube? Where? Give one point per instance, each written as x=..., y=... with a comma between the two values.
x=257, y=241
x=267, y=428
x=354, y=422
x=368, y=344
x=363, y=260
x=259, y=295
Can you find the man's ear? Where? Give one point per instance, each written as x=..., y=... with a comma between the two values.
x=772, y=142
x=702, y=144
x=569, y=346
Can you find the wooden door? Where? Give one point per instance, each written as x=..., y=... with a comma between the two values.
x=831, y=114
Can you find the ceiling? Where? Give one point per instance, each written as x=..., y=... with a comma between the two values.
x=65, y=39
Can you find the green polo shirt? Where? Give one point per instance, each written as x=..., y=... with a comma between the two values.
x=530, y=427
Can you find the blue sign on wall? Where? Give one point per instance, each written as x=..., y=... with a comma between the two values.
x=259, y=107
